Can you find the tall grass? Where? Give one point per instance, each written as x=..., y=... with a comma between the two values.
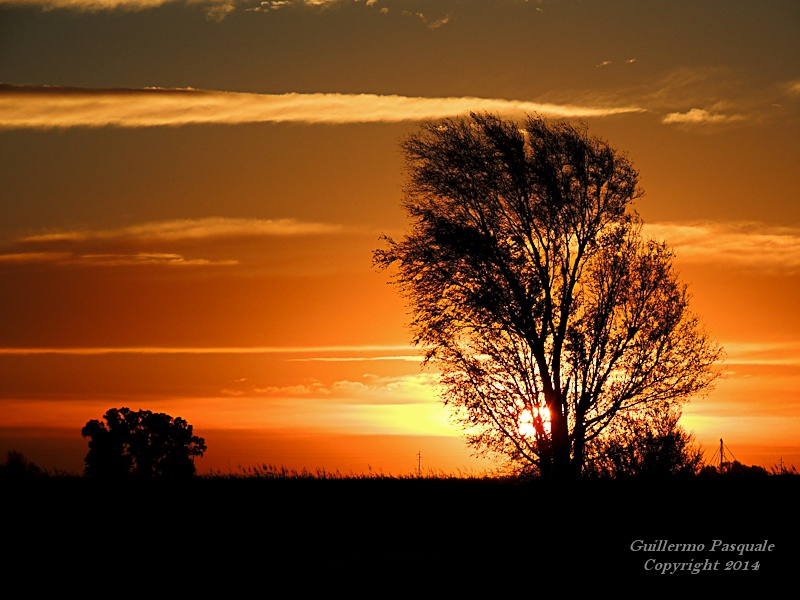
x=270, y=471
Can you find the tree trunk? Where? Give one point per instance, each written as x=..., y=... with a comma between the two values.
x=560, y=449
x=578, y=450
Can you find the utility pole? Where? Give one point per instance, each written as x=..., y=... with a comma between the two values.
x=725, y=463
x=419, y=463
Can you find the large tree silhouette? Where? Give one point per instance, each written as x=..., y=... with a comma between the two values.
x=141, y=445
x=533, y=290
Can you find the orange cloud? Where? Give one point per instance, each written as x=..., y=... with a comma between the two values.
x=110, y=260
x=34, y=257
x=401, y=358
x=743, y=244
x=94, y=351
x=90, y=5
x=698, y=116
x=191, y=229
x=217, y=9
x=403, y=389
x=41, y=107
x=145, y=258
x=763, y=353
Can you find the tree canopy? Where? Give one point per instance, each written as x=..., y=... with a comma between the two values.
x=141, y=445
x=533, y=290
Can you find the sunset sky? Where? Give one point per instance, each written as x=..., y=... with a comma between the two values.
x=192, y=191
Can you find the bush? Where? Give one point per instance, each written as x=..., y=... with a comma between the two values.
x=141, y=445
x=648, y=444
x=18, y=467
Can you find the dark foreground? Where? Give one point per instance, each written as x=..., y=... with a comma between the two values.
x=75, y=532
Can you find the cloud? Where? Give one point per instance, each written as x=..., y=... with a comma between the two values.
x=190, y=230
x=155, y=350
x=43, y=107
x=145, y=258
x=430, y=23
x=372, y=389
x=34, y=257
x=737, y=243
x=273, y=5
x=96, y=5
x=137, y=245
x=785, y=353
x=111, y=260
x=216, y=9
x=698, y=116
x=402, y=358
x=708, y=97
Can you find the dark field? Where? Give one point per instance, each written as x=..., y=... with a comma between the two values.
x=72, y=531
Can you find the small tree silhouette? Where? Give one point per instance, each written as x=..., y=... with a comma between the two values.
x=649, y=444
x=18, y=467
x=141, y=445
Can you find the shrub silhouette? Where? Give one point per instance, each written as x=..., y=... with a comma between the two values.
x=18, y=467
x=141, y=445
x=649, y=444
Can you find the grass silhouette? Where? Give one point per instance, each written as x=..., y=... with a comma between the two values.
x=237, y=527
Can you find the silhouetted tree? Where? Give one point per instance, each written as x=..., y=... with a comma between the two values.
x=737, y=469
x=18, y=467
x=142, y=445
x=533, y=290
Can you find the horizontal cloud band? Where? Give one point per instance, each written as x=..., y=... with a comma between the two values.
x=192, y=229
x=698, y=116
x=289, y=350
x=743, y=244
x=42, y=107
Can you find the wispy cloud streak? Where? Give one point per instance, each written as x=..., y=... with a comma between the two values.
x=763, y=353
x=699, y=116
x=288, y=350
x=217, y=9
x=40, y=107
x=34, y=257
x=89, y=5
x=110, y=260
x=372, y=389
x=134, y=5
x=401, y=358
x=744, y=244
x=190, y=230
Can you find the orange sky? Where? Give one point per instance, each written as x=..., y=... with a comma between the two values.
x=206, y=252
